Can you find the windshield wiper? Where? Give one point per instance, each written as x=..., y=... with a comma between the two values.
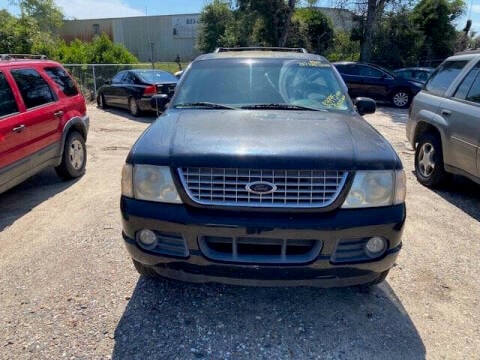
x=279, y=107
x=204, y=104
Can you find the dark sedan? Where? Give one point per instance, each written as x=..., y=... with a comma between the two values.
x=133, y=90
x=377, y=83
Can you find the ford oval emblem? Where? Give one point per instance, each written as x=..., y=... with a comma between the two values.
x=261, y=187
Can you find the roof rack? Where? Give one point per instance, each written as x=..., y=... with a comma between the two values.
x=260, y=48
x=22, y=57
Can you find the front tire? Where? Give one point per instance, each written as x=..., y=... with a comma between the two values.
x=74, y=157
x=133, y=107
x=401, y=99
x=429, y=167
x=145, y=270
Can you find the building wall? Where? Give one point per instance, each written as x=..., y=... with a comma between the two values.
x=163, y=36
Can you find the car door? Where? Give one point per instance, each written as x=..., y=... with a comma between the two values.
x=11, y=136
x=349, y=74
x=462, y=112
x=111, y=92
x=40, y=112
x=374, y=82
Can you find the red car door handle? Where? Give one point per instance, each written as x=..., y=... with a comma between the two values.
x=58, y=113
x=18, y=128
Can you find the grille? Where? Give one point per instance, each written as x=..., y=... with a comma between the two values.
x=255, y=250
x=292, y=188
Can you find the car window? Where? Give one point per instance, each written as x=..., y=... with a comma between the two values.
x=117, y=79
x=263, y=81
x=404, y=74
x=444, y=75
x=155, y=76
x=474, y=93
x=8, y=105
x=34, y=89
x=369, y=71
x=63, y=80
x=128, y=78
x=347, y=69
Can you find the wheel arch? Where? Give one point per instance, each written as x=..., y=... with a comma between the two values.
x=74, y=124
x=425, y=127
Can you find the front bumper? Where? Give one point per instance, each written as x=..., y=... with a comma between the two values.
x=331, y=228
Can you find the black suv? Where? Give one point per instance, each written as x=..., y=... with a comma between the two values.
x=378, y=83
x=261, y=171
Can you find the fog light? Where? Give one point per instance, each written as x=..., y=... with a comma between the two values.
x=147, y=238
x=375, y=246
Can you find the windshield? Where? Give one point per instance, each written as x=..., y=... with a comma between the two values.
x=271, y=83
x=156, y=76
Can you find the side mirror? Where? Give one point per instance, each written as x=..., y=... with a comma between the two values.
x=159, y=101
x=365, y=105
x=108, y=82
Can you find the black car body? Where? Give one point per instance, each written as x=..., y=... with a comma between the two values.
x=133, y=90
x=418, y=74
x=378, y=83
x=243, y=180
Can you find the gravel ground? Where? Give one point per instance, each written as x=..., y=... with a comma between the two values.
x=69, y=290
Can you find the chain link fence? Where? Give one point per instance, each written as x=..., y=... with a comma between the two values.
x=90, y=77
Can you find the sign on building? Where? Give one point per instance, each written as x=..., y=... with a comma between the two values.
x=185, y=26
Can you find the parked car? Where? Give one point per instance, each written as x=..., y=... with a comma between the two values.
x=262, y=171
x=378, y=83
x=133, y=90
x=43, y=120
x=444, y=121
x=419, y=74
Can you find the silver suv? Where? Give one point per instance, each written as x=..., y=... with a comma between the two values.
x=444, y=121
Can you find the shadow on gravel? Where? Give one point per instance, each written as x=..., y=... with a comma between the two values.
x=19, y=200
x=464, y=194
x=173, y=320
x=146, y=118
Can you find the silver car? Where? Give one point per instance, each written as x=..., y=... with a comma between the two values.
x=444, y=121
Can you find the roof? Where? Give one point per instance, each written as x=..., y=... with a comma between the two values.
x=23, y=62
x=261, y=54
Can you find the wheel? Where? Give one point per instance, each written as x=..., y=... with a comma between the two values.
x=101, y=102
x=145, y=270
x=429, y=168
x=133, y=107
x=401, y=98
x=365, y=288
x=74, y=157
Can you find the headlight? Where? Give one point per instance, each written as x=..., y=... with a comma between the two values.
x=376, y=188
x=154, y=183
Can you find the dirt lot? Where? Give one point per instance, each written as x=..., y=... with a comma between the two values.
x=69, y=290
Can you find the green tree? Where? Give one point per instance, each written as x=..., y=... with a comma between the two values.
x=313, y=30
x=343, y=48
x=215, y=18
x=46, y=13
x=434, y=19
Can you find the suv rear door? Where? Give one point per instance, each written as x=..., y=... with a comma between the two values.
x=10, y=121
x=463, y=113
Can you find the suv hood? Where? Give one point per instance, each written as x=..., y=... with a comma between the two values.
x=264, y=139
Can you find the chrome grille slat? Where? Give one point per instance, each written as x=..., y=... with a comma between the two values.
x=294, y=188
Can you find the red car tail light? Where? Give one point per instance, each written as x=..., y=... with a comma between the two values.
x=150, y=90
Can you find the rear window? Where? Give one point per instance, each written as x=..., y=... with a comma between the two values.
x=153, y=77
x=444, y=75
x=34, y=89
x=8, y=105
x=63, y=80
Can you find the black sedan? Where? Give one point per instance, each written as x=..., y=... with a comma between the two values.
x=377, y=83
x=134, y=89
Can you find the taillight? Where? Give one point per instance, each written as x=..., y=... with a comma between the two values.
x=150, y=90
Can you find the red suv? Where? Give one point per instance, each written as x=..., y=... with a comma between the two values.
x=43, y=121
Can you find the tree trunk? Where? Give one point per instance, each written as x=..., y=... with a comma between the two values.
x=288, y=20
x=374, y=12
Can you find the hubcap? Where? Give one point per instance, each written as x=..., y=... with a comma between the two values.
x=76, y=154
x=426, y=162
x=400, y=99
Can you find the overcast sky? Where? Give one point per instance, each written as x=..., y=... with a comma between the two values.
x=91, y=9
